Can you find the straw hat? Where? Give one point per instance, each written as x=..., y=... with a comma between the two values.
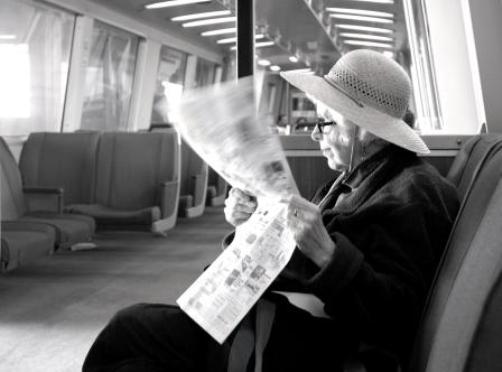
x=370, y=90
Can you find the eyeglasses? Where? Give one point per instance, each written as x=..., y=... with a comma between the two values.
x=321, y=124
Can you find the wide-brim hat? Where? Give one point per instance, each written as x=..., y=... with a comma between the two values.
x=369, y=89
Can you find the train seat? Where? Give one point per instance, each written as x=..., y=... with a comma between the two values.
x=14, y=207
x=194, y=178
x=23, y=242
x=469, y=159
x=458, y=329
x=216, y=189
x=136, y=182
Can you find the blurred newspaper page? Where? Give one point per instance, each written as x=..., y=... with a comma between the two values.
x=221, y=124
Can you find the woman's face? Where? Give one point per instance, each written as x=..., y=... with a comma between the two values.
x=336, y=140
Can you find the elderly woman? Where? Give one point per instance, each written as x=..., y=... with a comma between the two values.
x=368, y=244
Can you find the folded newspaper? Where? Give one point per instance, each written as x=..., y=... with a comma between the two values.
x=221, y=124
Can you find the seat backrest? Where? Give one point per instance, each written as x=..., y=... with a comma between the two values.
x=12, y=202
x=63, y=160
x=473, y=152
x=484, y=352
x=131, y=167
x=468, y=272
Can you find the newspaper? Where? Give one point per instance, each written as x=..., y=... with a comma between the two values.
x=221, y=124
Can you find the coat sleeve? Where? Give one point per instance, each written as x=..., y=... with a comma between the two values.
x=380, y=292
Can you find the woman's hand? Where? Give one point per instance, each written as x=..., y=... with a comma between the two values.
x=239, y=206
x=305, y=222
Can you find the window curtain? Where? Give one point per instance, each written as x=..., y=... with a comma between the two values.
x=109, y=79
x=204, y=73
x=169, y=86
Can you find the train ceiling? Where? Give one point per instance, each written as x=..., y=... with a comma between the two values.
x=290, y=33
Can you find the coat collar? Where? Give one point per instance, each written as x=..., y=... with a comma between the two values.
x=369, y=176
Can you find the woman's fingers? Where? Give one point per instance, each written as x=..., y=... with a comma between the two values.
x=300, y=209
x=239, y=206
x=245, y=208
x=241, y=195
x=240, y=217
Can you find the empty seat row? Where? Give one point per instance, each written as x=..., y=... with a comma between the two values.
x=112, y=180
x=29, y=233
x=123, y=180
x=200, y=185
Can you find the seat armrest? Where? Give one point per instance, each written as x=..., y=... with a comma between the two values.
x=41, y=198
x=43, y=190
x=168, y=198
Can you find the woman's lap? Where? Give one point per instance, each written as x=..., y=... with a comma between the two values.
x=301, y=342
x=155, y=337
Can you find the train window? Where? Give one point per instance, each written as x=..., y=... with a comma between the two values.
x=169, y=84
x=205, y=73
x=321, y=31
x=35, y=43
x=109, y=78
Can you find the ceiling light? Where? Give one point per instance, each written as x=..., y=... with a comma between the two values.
x=264, y=62
x=361, y=18
x=168, y=4
x=293, y=59
x=260, y=44
x=189, y=17
x=365, y=36
x=221, y=31
x=234, y=39
x=378, y=1
x=368, y=43
x=229, y=40
x=275, y=68
x=7, y=37
x=365, y=28
x=212, y=21
x=263, y=44
x=361, y=12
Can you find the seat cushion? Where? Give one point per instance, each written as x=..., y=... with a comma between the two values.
x=21, y=247
x=107, y=217
x=69, y=230
x=88, y=220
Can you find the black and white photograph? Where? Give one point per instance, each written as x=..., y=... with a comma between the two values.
x=250, y=185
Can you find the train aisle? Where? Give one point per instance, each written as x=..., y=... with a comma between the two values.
x=52, y=310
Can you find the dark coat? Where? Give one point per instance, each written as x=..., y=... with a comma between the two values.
x=389, y=232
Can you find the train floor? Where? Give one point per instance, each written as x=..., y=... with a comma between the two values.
x=51, y=310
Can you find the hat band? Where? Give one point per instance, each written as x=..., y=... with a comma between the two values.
x=335, y=85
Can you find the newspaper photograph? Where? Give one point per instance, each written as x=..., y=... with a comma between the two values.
x=223, y=127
